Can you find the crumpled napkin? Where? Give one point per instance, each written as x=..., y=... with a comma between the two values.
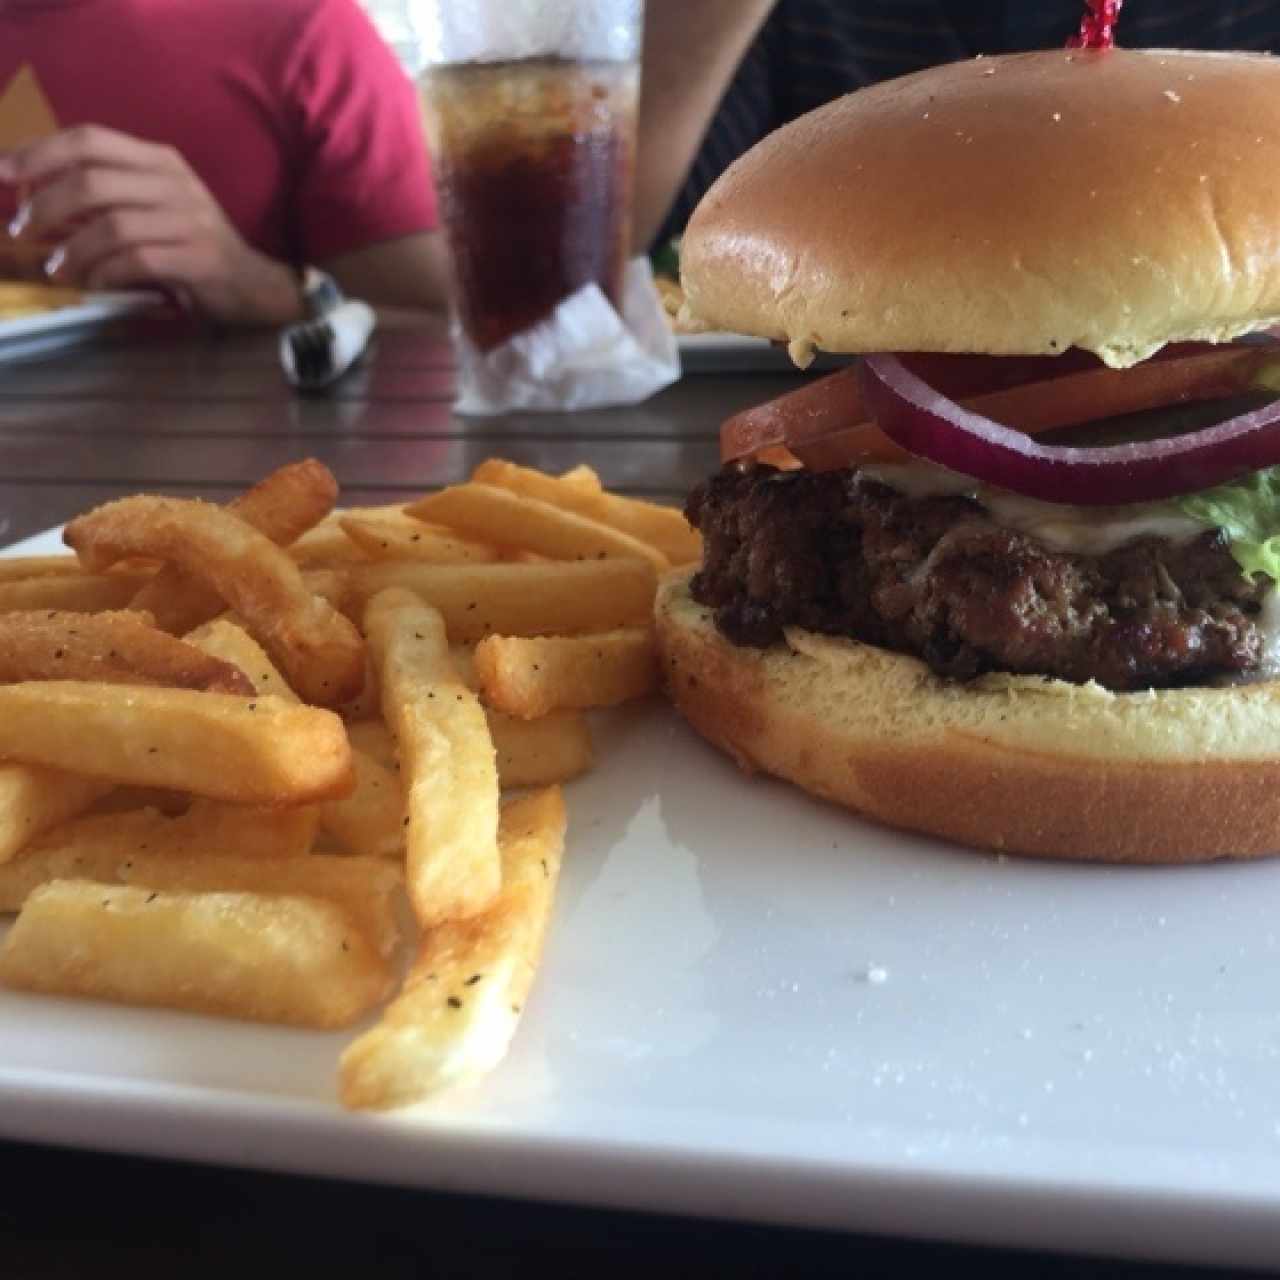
x=582, y=356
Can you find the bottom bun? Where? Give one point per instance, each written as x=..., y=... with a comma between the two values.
x=1014, y=763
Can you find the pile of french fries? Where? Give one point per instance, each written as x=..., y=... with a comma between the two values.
x=231, y=738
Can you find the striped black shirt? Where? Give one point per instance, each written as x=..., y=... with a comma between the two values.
x=811, y=51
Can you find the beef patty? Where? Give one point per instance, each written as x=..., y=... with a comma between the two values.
x=840, y=553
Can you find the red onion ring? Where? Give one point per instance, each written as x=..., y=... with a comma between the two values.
x=929, y=425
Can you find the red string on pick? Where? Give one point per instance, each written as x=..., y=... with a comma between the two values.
x=1098, y=26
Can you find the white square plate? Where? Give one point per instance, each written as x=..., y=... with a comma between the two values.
x=755, y=1006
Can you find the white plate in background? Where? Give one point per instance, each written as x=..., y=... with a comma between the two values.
x=755, y=1006
x=41, y=330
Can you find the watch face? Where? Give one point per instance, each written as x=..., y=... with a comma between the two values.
x=320, y=291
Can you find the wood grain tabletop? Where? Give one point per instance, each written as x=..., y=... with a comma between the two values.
x=158, y=407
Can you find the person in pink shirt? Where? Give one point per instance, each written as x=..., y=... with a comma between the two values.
x=217, y=147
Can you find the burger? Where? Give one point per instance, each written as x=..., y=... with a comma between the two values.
x=1009, y=577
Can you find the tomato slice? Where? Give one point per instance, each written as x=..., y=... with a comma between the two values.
x=825, y=426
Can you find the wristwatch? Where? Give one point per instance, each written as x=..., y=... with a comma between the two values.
x=320, y=292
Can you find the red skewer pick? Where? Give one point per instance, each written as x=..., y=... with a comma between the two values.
x=1097, y=27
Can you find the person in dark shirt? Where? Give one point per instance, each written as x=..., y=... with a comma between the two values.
x=720, y=74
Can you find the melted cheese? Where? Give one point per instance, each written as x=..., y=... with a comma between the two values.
x=1091, y=531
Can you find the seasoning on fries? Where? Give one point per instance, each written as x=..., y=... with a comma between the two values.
x=529, y=523
x=404, y=538
x=477, y=600
x=663, y=528
x=33, y=799
x=87, y=850
x=76, y=590
x=281, y=957
x=114, y=647
x=535, y=753
x=282, y=508
x=244, y=750
x=528, y=677
x=318, y=649
x=231, y=738
x=447, y=764
x=370, y=819
x=461, y=1003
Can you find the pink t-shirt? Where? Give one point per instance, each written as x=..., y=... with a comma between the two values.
x=294, y=113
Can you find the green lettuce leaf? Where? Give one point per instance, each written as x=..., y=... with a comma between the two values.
x=1248, y=512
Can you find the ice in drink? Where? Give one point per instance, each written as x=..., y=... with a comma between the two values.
x=533, y=164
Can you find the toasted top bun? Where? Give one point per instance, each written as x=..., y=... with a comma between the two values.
x=1113, y=201
x=1023, y=764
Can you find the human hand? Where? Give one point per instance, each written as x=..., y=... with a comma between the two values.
x=126, y=213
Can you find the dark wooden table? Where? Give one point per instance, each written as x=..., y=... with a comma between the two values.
x=207, y=416
x=160, y=408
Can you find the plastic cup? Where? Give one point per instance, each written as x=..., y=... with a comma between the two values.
x=530, y=108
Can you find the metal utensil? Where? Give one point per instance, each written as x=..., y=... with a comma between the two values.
x=319, y=351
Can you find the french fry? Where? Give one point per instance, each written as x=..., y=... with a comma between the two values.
x=527, y=677
x=319, y=651
x=328, y=544
x=160, y=798
x=19, y=298
x=367, y=702
x=582, y=477
x=664, y=528
x=182, y=823
x=447, y=767
x=78, y=592
x=464, y=663
x=33, y=799
x=364, y=887
x=256, y=831
x=573, y=491
x=406, y=538
x=127, y=799
x=536, y=753
x=244, y=750
x=518, y=520
x=324, y=546
x=329, y=584
x=520, y=599
x=130, y=819
x=460, y=1005
x=224, y=639
x=14, y=568
x=374, y=739
x=531, y=753
x=368, y=821
x=115, y=647
x=282, y=506
x=265, y=957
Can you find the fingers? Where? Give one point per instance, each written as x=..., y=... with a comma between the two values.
x=140, y=265
x=115, y=232
x=77, y=194
x=82, y=146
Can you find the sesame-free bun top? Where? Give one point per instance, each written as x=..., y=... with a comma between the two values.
x=1112, y=200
